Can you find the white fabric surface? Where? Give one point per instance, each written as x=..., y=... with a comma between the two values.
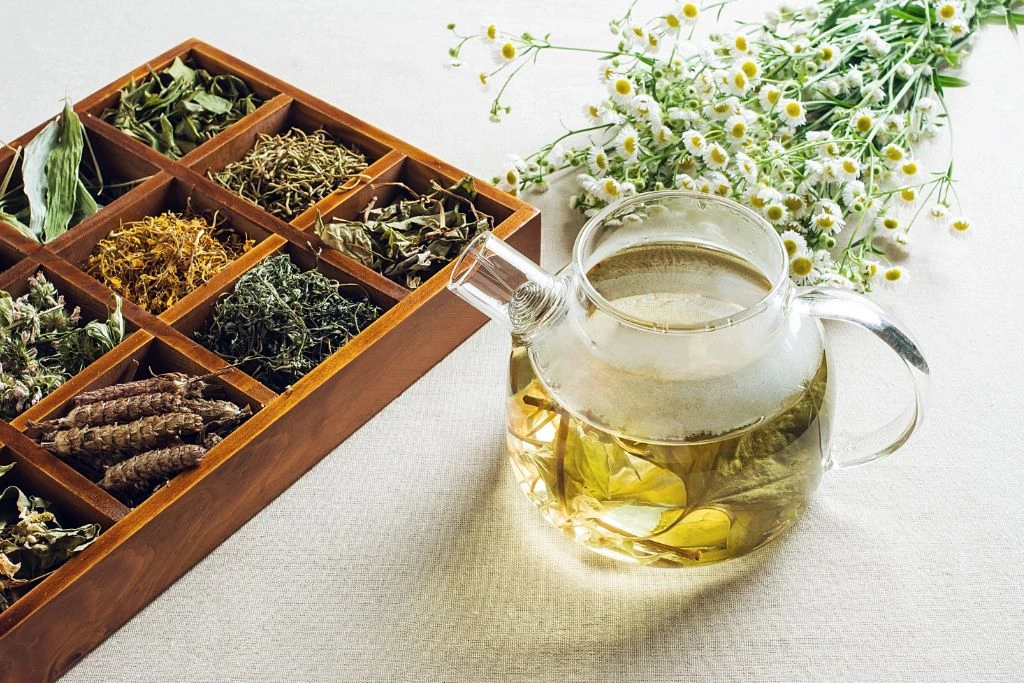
x=408, y=554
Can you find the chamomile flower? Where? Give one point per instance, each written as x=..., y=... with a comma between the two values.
x=627, y=143
x=722, y=109
x=829, y=55
x=689, y=12
x=803, y=269
x=622, y=89
x=504, y=51
x=483, y=82
x=775, y=213
x=793, y=113
x=750, y=68
x=746, y=167
x=720, y=184
x=607, y=189
x=909, y=168
x=760, y=197
x=671, y=23
x=646, y=107
x=741, y=44
x=489, y=33
x=606, y=72
x=888, y=223
x=597, y=161
x=685, y=182
x=846, y=168
x=958, y=29
x=736, y=130
x=827, y=223
x=636, y=34
x=716, y=157
x=870, y=270
x=948, y=12
x=794, y=243
x=854, y=78
x=901, y=241
x=961, y=227
x=863, y=121
x=694, y=142
x=734, y=81
x=907, y=195
x=853, y=192
x=894, y=154
x=509, y=181
x=873, y=93
x=769, y=97
x=894, y=277
x=938, y=212
x=663, y=136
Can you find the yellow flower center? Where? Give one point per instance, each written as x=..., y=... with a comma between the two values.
x=738, y=130
x=757, y=202
x=721, y=107
x=890, y=223
x=483, y=78
x=697, y=141
x=871, y=270
x=791, y=247
x=793, y=109
x=511, y=177
x=827, y=53
x=718, y=155
x=910, y=168
x=741, y=43
x=863, y=123
x=611, y=187
x=601, y=161
x=508, y=51
x=893, y=275
x=850, y=166
x=491, y=31
x=652, y=40
x=947, y=11
x=825, y=222
x=961, y=225
x=592, y=110
x=750, y=68
x=629, y=145
x=739, y=79
x=775, y=213
x=623, y=86
x=893, y=153
x=908, y=194
x=801, y=266
x=672, y=21
x=690, y=10
x=792, y=202
x=772, y=96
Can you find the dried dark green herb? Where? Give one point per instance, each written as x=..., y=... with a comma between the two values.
x=288, y=173
x=156, y=261
x=32, y=541
x=60, y=184
x=134, y=436
x=412, y=238
x=280, y=322
x=42, y=343
x=179, y=108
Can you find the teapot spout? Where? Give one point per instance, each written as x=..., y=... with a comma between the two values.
x=507, y=286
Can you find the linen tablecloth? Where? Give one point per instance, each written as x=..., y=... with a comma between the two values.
x=408, y=554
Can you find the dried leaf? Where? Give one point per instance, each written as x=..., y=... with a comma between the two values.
x=33, y=175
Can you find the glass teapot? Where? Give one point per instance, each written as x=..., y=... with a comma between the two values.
x=670, y=399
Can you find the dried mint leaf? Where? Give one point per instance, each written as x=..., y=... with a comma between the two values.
x=177, y=109
x=32, y=541
x=280, y=322
x=412, y=238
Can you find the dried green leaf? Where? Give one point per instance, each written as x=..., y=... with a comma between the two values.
x=62, y=174
x=33, y=175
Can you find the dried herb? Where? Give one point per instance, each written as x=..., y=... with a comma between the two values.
x=158, y=260
x=281, y=322
x=410, y=239
x=288, y=173
x=133, y=476
x=179, y=108
x=60, y=184
x=42, y=343
x=32, y=541
x=134, y=436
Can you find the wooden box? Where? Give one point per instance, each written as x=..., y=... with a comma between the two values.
x=141, y=551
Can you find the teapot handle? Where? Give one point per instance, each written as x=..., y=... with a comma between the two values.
x=837, y=304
